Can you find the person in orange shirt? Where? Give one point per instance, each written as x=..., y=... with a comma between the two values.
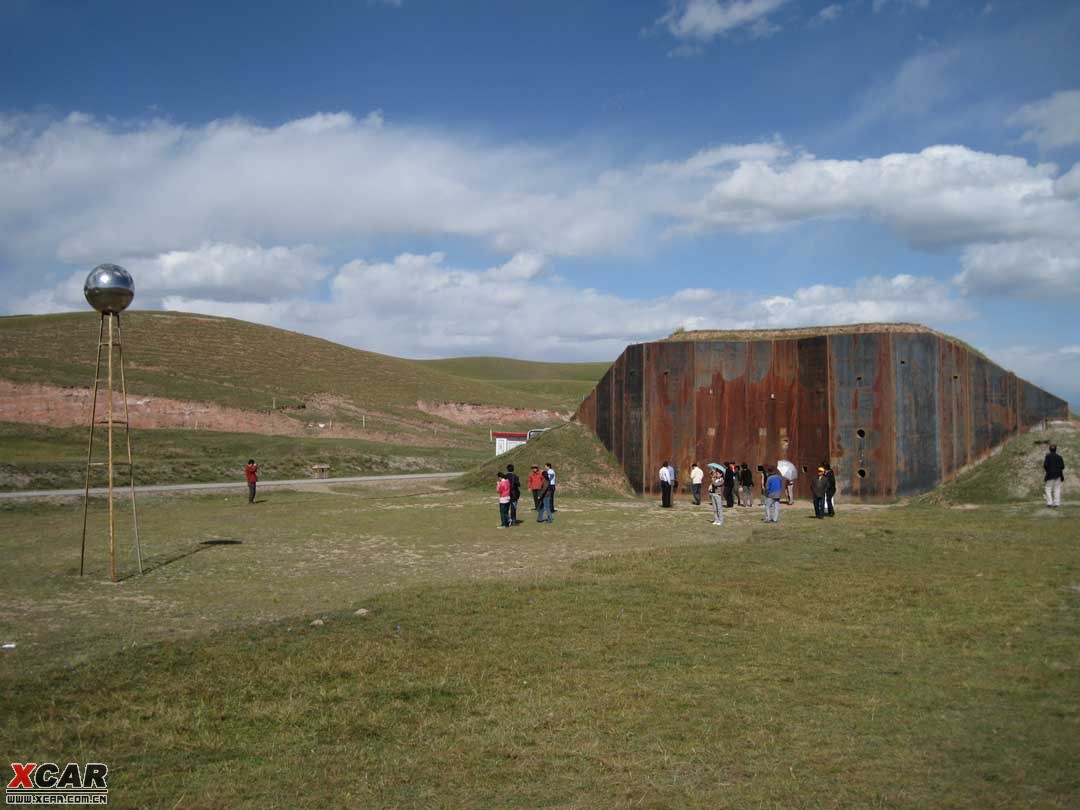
x=535, y=484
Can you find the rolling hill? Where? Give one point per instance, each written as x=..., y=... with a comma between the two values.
x=192, y=378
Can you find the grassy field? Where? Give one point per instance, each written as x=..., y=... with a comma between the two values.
x=625, y=656
x=36, y=457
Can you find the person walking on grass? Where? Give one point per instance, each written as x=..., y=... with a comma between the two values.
x=543, y=508
x=697, y=475
x=534, y=484
x=830, y=489
x=818, y=488
x=502, y=489
x=716, y=496
x=251, y=471
x=515, y=492
x=746, y=485
x=550, y=473
x=665, y=485
x=1054, y=467
x=774, y=490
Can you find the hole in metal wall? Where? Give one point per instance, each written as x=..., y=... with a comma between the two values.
x=956, y=376
x=858, y=379
x=860, y=433
x=862, y=472
x=903, y=362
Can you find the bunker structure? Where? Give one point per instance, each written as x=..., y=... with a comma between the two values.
x=895, y=408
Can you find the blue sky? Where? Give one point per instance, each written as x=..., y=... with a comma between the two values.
x=553, y=180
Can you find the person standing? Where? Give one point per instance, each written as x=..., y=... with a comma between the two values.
x=729, y=485
x=1054, y=467
x=543, y=508
x=818, y=487
x=550, y=473
x=534, y=484
x=774, y=490
x=515, y=492
x=251, y=471
x=502, y=489
x=697, y=475
x=746, y=485
x=716, y=496
x=830, y=489
x=665, y=485
x=674, y=478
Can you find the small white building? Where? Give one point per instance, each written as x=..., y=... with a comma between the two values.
x=507, y=441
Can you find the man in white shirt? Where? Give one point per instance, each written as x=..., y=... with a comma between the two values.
x=665, y=485
x=697, y=475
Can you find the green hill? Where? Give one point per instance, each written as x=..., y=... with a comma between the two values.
x=373, y=399
x=245, y=365
x=572, y=381
x=583, y=465
x=1015, y=473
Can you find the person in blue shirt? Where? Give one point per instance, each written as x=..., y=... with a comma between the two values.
x=774, y=488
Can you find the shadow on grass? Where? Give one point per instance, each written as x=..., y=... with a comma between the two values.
x=161, y=562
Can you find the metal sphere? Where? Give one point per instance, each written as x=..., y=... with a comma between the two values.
x=109, y=288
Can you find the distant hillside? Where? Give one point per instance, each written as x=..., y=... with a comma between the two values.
x=244, y=365
x=571, y=381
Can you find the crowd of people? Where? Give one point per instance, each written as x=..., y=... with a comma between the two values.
x=541, y=483
x=733, y=485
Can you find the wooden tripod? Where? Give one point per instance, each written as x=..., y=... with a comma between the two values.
x=114, y=341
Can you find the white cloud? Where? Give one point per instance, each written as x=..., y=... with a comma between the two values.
x=920, y=4
x=90, y=188
x=704, y=20
x=943, y=195
x=1053, y=123
x=828, y=13
x=190, y=208
x=1032, y=268
x=418, y=306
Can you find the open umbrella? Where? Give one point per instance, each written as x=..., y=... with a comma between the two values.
x=716, y=466
x=787, y=469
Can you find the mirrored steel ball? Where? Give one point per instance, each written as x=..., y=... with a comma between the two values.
x=109, y=288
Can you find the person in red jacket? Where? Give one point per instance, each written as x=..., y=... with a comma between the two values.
x=534, y=485
x=252, y=473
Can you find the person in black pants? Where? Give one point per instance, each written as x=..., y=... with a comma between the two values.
x=729, y=485
x=550, y=473
x=515, y=492
x=830, y=489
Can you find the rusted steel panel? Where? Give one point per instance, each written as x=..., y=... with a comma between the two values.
x=810, y=434
x=1037, y=405
x=861, y=414
x=954, y=391
x=618, y=408
x=633, y=421
x=917, y=425
x=896, y=413
x=669, y=381
x=603, y=409
x=586, y=412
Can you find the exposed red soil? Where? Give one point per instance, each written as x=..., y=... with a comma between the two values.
x=465, y=413
x=54, y=406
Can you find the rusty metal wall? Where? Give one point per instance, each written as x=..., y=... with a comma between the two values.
x=895, y=413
